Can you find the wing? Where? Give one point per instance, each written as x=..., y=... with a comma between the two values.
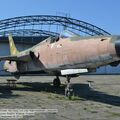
x=14, y=58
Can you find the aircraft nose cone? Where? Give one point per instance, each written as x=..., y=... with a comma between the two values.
x=117, y=47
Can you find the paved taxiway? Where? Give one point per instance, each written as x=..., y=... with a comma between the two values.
x=102, y=102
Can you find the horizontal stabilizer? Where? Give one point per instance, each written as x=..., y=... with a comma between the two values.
x=73, y=71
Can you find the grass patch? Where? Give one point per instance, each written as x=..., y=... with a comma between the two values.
x=94, y=111
x=115, y=114
x=88, y=109
x=62, y=97
x=109, y=106
x=85, y=108
x=22, y=86
x=55, y=96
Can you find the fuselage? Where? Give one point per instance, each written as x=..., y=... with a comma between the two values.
x=81, y=53
x=72, y=53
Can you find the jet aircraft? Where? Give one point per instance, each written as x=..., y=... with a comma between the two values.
x=68, y=55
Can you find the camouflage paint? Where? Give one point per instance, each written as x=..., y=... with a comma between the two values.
x=69, y=53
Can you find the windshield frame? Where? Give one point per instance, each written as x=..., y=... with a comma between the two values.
x=68, y=34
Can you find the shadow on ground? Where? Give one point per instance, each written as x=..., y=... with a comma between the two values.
x=80, y=90
x=6, y=92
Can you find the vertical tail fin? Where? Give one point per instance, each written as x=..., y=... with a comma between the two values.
x=13, y=49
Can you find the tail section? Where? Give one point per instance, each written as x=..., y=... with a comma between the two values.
x=13, y=49
x=10, y=63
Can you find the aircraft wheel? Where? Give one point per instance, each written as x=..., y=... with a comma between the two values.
x=56, y=82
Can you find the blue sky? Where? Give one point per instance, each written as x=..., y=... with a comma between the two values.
x=102, y=13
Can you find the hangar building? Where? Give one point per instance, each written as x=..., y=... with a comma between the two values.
x=30, y=30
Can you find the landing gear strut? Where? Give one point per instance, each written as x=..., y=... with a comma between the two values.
x=68, y=89
x=56, y=82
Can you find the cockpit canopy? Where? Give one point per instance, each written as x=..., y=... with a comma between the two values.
x=63, y=35
x=68, y=34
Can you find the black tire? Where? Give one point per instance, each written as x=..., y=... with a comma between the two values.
x=56, y=82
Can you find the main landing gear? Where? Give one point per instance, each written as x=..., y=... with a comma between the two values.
x=68, y=88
